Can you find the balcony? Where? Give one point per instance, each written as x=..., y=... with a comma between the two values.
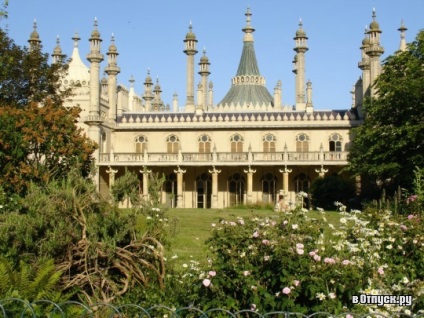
x=225, y=158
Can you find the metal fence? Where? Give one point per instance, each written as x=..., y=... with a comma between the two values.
x=14, y=307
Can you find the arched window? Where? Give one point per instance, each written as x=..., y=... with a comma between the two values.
x=302, y=183
x=269, y=143
x=170, y=186
x=269, y=187
x=140, y=144
x=335, y=142
x=236, y=143
x=173, y=144
x=204, y=191
x=302, y=143
x=204, y=144
x=236, y=189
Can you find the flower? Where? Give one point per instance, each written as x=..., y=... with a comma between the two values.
x=346, y=262
x=300, y=251
x=329, y=260
x=349, y=316
x=295, y=226
x=296, y=283
x=312, y=253
x=212, y=273
x=246, y=273
x=266, y=258
x=320, y=296
x=252, y=307
x=256, y=234
x=411, y=216
x=332, y=295
x=300, y=245
x=185, y=265
x=317, y=258
x=265, y=242
x=206, y=282
x=380, y=270
x=286, y=290
x=213, y=224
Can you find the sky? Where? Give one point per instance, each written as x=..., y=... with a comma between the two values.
x=150, y=34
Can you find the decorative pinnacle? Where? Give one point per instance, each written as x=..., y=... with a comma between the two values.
x=35, y=25
x=402, y=27
x=57, y=40
x=248, y=15
x=76, y=38
x=112, y=38
x=373, y=14
x=132, y=80
x=248, y=37
x=95, y=22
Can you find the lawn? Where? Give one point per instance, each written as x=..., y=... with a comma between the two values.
x=193, y=228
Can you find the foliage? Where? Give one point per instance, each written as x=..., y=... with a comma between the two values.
x=292, y=263
x=100, y=251
x=26, y=76
x=389, y=145
x=126, y=188
x=3, y=11
x=330, y=189
x=38, y=144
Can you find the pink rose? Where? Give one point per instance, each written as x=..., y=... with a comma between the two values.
x=212, y=273
x=286, y=290
x=206, y=282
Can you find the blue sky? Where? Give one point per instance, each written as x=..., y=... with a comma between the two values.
x=150, y=34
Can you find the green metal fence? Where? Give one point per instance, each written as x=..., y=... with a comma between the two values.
x=14, y=307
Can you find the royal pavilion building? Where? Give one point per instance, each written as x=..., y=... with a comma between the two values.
x=246, y=148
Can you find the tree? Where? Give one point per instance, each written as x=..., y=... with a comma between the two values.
x=40, y=143
x=27, y=76
x=390, y=143
x=325, y=191
x=38, y=139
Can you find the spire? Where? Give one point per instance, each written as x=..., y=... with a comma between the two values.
x=190, y=50
x=34, y=39
x=57, y=52
x=248, y=30
x=402, y=29
x=77, y=70
x=248, y=86
x=300, y=48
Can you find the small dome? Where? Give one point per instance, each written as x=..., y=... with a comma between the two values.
x=300, y=33
x=148, y=79
x=34, y=35
x=374, y=25
x=104, y=80
x=366, y=41
x=204, y=59
x=190, y=36
x=112, y=48
x=95, y=34
x=57, y=50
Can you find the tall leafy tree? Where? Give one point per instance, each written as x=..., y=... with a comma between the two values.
x=390, y=143
x=27, y=76
x=39, y=140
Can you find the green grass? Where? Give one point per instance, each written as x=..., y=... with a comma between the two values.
x=193, y=228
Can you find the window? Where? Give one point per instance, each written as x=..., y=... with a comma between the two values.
x=269, y=187
x=302, y=143
x=335, y=142
x=236, y=143
x=204, y=144
x=269, y=143
x=236, y=189
x=172, y=143
x=104, y=143
x=140, y=144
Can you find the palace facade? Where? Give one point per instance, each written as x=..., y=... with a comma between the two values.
x=246, y=148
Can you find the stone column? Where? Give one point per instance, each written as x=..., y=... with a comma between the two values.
x=285, y=172
x=145, y=172
x=111, y=173
x=214, y=172
x=180, y=172
x=249, y=173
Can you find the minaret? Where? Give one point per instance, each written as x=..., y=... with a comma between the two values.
x=148, y=96
x=277, y=95
x=309, y=104
x=57, y=52
x=210, y=95
x=34, y=38
x=374, y=51
x=175, y=102
x=131, y=94
x=300, y=48
x=204, y=73
x=364, y=65
x=157, y=100
x=402, y=30
x=112, y=70
x=190, y=51
x=95, y=57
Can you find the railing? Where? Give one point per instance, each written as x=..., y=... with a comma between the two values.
x=14, y=307
x=224, y=157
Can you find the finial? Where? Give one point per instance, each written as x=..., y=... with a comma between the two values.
x=76, y=38
x=148, y=71
x=248, y=14
x=204, y=50
x=35, y=25
x=132, y=80
x=157, y=79
x=402, y=27
x=190, y=26
x=373, y=14
x=57, y=40
x=95, y=22
x=112, y=38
